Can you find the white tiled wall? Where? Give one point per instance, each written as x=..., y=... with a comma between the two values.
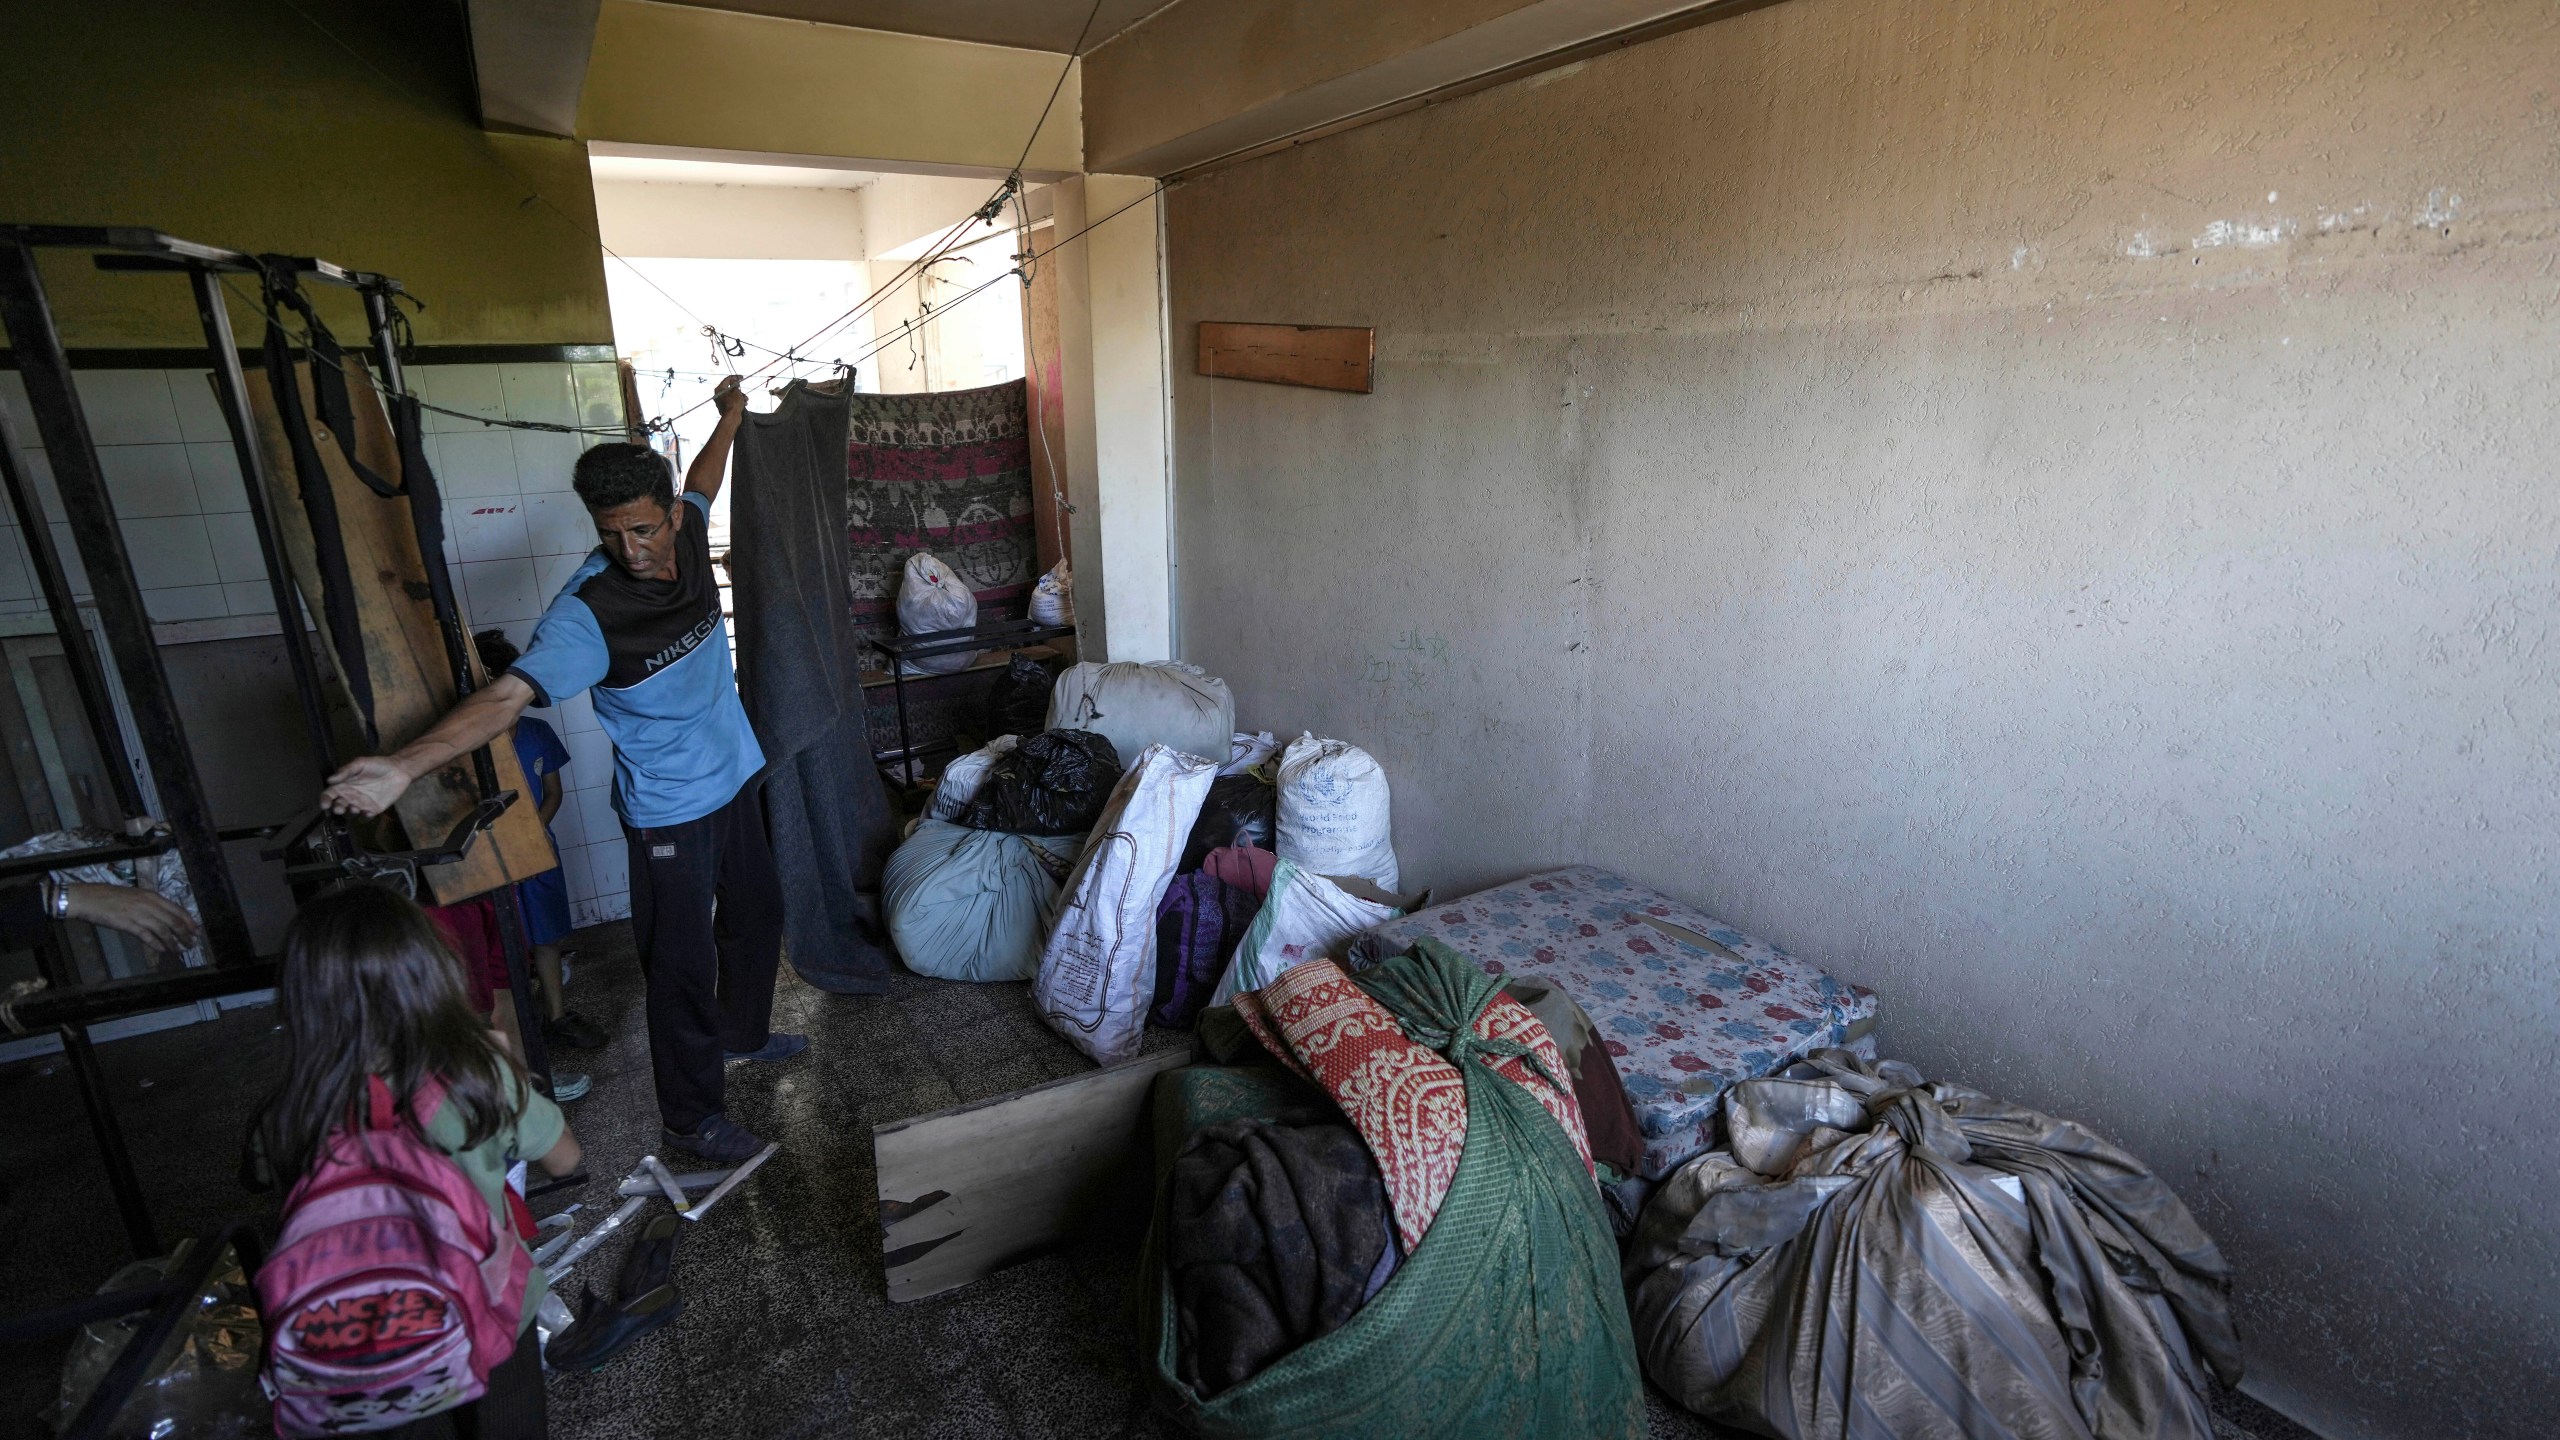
x=514, y=528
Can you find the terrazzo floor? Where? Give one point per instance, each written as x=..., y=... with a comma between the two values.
x=787, y=1330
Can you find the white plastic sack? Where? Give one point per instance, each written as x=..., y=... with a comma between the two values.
x=1333, y=812
x=1135, y=705
x=1246, y=751
x=962, y=777
x=1307, y=917
x=1053, y=600
x=931, y=598
x=1098, y=971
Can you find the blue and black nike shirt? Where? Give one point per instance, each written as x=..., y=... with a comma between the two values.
x=656, y=654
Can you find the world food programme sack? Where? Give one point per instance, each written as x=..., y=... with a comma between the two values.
x=1098, y=971
x=1333, y=811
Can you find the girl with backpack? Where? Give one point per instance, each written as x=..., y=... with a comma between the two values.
x=400, y=1297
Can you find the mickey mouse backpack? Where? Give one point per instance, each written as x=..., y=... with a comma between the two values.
x=391, y=1294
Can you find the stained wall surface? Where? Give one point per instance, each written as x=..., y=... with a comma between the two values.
x=2044, y=509
x=312, y=127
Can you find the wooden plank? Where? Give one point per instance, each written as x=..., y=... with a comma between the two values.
x=404, y=653
x=966, y=1192
x=1326, y=357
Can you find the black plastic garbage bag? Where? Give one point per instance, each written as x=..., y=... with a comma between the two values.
x=1054, y=783
x=1240, y=811
x=1018, y=702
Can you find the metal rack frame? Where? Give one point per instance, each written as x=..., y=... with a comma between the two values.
x=188, y=827
x=168, y=1304
x=925, y=644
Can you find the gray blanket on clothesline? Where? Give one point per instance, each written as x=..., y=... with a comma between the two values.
x=799, y=671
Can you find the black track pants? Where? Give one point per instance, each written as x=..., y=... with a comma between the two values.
x=710, y=985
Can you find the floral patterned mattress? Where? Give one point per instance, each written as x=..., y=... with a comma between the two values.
x=1688, y=1005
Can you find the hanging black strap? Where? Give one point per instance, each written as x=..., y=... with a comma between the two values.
x=426, y=512
x=329, y=388
x=320, y=503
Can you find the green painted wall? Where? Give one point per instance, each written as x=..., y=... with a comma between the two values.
x=341, y=128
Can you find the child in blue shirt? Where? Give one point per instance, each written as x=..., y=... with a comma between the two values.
x=545, y=897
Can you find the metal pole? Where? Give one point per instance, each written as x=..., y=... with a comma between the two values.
x=99, y=1102
x=86, y=677
x=231, y=391
x=46, y=371
x=88, y=1004
x=529, y=1017
x=906, y=736
x=426, y=516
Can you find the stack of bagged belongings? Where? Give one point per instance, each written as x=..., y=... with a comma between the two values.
x=1686, y=1004
x=1874, y=1254
x=1393, y=1232
x=1200, y=878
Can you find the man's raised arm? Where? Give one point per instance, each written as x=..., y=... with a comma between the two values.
x=374, y=783
x=711, y=463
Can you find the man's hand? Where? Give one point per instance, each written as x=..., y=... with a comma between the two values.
x=711, y=462
x=138, y=913
x=367, y=785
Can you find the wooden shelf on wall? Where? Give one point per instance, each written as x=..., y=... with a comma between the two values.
x=1322, y=357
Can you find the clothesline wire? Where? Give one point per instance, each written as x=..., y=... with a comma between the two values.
x=714, y=332
x=908, y=327
x=1073, y=51
x=901, y=332
x=942, y=246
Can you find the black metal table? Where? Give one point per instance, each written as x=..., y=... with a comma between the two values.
x=985, y=635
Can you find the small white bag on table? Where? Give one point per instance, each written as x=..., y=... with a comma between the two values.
x=931, y=598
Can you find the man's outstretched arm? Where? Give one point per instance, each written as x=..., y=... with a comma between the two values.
x=374, y=783
x=711, y=463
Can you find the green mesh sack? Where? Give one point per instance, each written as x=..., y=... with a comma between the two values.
x=1507, y=1320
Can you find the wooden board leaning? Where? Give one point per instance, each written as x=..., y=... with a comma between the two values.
x=404, y=654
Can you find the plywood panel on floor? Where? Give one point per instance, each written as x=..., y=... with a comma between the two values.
x=967, y=1191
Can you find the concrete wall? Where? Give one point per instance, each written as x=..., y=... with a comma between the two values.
x=320, y=127
x=2045, y=509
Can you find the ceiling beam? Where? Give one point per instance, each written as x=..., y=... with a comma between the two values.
x=1206, y=83
x=680, y=76
x=529, y=61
